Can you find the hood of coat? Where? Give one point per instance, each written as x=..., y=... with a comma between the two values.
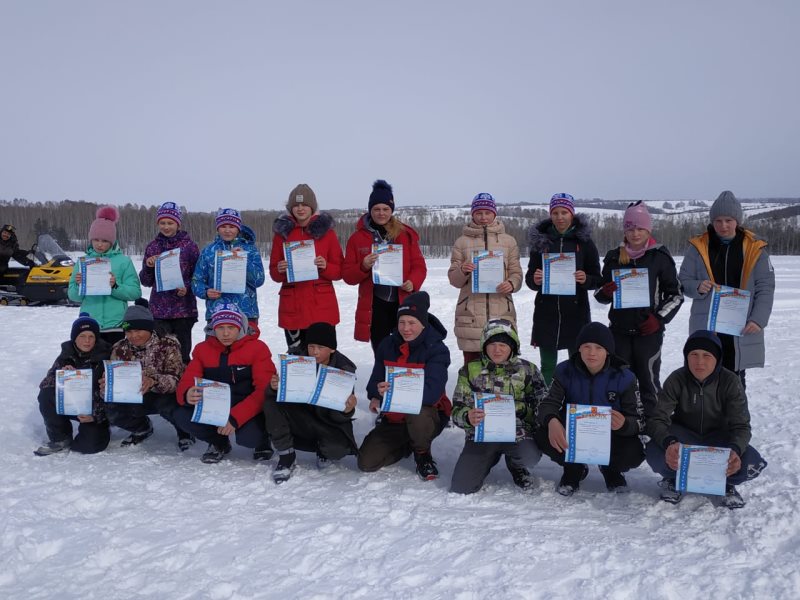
x=472, y=229
x=540, y=236
x=499, y=327
x=317, y=227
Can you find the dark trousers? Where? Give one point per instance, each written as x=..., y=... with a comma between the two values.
x=112, y=337
x=752, y=463
x=295, y=340
x=250, y=435
x=477, y=459
x=390, y=442
x=626, y=451
x=181, y=329
x=729, y=356
x=643, y=354
x=299, y=426
x=133, y=417
x=92, y=437
x=384, y=319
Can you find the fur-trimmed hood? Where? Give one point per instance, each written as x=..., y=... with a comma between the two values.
x=319, y=225
x=539, y=236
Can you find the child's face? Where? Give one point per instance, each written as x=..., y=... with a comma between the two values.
x=381, y=213
x=561, y=218
x=167, y=227
x=302, y=213
x=483, y=217
x=498, y=352
x=228, y=232
x=637, y=237
x=85, y=341
x=322, y=354
x=226, y=334
x=101, y=246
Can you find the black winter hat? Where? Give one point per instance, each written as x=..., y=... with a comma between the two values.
x=597, y=333
x=502, y=338
x=703, y=340
x=84, y=323
x=416, y=305
x=138, y=316
x=381, y=194
x=322, y=334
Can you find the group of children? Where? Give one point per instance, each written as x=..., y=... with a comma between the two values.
x=616, y=366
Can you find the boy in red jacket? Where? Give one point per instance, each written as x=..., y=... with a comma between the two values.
x=237, y=357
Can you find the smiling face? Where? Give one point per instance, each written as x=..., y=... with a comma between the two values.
x=302, y=213
x=498, y=352
x=701, y=363
x=483, y=217
x=725, y=227
x=138, y=337
x=6, y=235
x=226, y=334
x=409, y=327
x=562, y=219
x=593, y=356
x=167, y=227
x=380, y=214
x=228, y=232
x=637, y=237
x=101, y=246
x=85, y=341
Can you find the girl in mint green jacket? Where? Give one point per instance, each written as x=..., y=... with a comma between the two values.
x=108, y=310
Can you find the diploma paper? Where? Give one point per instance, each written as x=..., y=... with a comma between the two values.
x=500, y=420
x=388, y=269
x=701, y=469
x=588, y=434
x=489, y=271
x=405, y=390
x=123, y=381
x=729, y=309
x=333, y=388
x=559, y=274
x=74, y=392
x=298, y=378
x=95, y=276
x=215, y=407
x=168, y=271
x=300, y=257
x=633, y=288
x=230, y=271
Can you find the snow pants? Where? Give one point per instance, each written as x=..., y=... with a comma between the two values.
x=91, y=438
x=627, y=452
x=390, y=442
x=133, y=417
x=643, y=354
x=250, y=435
x=477, y=459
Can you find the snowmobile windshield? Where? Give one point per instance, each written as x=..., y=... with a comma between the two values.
x=47, y=248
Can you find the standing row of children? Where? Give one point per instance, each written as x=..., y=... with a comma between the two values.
x=484, y=323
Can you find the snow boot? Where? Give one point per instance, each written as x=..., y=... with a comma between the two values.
x=426, y=466
x=285, y=467
x=264, y=450
x=522, y=478
x=615, y=481
x=137, y=437
x=52, y=448
x=732, y=498
x=669, y=493
x=185, y=441
x=323, y=462
x=571, y=479
x=215, y=454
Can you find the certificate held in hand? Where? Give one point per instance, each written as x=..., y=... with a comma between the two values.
x=558, y=274
x=333, y=388
x=168, y=271
x=633, y=288
x=230, y=271
x=388, y=269
x=300, y=257
x=588, y=434
x=701, y=469
x=95, y=276
x=123, y=381
x=74, y=392
x=298, y=378
x=215, y=406
x=500, y=418
x=406, y=385
x=489, y=271
x=729, y=310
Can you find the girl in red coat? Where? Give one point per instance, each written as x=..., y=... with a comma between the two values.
x=237, y=357
x=376, y=312
x=305, y=302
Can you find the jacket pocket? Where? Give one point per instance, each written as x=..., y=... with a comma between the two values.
x=288, y=300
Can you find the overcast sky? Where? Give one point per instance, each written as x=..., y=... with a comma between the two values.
x=213, y=103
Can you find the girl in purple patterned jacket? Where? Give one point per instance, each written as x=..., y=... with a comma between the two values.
x=175, y=311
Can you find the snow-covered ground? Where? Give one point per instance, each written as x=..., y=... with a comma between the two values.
x=148, y=522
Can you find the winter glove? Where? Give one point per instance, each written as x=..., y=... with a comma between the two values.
x=608, y=289
x=650, y=325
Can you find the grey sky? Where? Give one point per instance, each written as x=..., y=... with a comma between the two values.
x=233, y=103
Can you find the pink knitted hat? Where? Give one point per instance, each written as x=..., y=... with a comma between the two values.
x=104, y=226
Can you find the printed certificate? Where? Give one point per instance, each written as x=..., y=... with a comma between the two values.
x=406, y=385
x=95, y=276
x=588, y=434
x=500, y=419
x=300, y=257
x=388, y=269
x=298, y=378
x=558, y=274
x=74, y=392
x=489, y=271
x=701, y=469
x=729, y=310
x=333, y=388
x=230, y=271
x=633, y=288
x=215, y=407
x=123, y=381
x=168, y=271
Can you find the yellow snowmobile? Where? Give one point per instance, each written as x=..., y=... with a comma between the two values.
x=44, y=283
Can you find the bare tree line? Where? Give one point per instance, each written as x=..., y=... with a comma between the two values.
x=69, y=222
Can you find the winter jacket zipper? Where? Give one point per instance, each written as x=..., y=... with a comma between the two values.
x=486, y=247
x=558, y=298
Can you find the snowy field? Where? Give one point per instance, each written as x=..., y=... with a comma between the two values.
x=149, y=522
